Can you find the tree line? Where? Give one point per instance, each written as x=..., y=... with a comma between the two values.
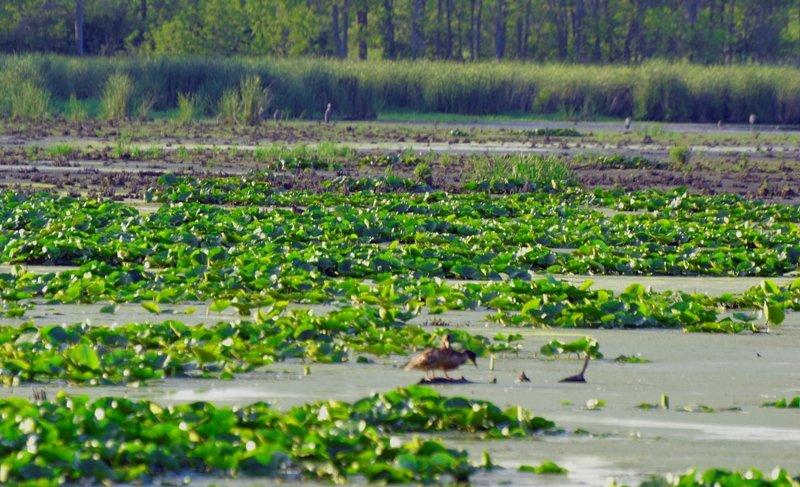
x=586, y=31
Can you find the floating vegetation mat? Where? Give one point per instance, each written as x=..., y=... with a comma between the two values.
x=74, y=439
x=136, y=352
x=718, y=477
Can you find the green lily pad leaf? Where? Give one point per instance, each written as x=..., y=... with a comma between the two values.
x=151, y=306
x=84, y=356
x=546, y=468
x=219, y=305
x=775, y=314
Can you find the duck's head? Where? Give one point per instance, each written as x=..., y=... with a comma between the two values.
x=471, y=356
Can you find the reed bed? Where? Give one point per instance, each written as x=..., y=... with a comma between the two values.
x=301, y=88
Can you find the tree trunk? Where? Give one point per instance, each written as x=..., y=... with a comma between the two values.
x=389, y=49
x=597, y=52
x=500, y=30
x=362, y=19
x=337, y=34
x=578, y=34
x=559, y=11
x=79, y=47
x=345, y=28
x=460, y=35
x=478, y=33
x=437, y=42
x=471, y=32
x=522, y=28
x=518, y=36
x=633, y=40
x=690, y=42
x=448, y=40
x=417, y=35
x=143, y=19
x=611, y=46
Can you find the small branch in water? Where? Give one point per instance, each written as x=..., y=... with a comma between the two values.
x=444, y=381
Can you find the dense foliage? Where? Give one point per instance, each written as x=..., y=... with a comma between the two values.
x=369, y=234
x=74, y=439
x=718, y=477
x=579, y=30
x=270, y=246
x=131, y=353
x=301, y=88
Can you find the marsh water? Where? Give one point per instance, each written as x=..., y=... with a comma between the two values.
x=734, y=375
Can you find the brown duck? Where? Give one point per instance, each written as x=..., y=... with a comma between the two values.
x=443, y=358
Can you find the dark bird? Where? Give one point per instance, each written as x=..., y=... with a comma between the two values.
x=580, y=376
x=523, y=377
x=444, y=359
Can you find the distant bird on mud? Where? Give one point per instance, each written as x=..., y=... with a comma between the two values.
x=627, y=123
x=443, y=358
x=327, y=116
x=752, y=120
x=580, y=376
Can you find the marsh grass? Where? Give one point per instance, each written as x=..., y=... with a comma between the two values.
x=680, y=156
x=74, y=110
x=248, y=104
x=525, y=170
x=655, y=91
x=29, y=102
x=188, y=110
x=116, y=97
x=254, y=99
x=651, y=130
x=145, y=107
x=229, y=107
x=323, y=154
x=21, y=98
x=60, y=151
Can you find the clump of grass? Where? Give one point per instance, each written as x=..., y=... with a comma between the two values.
x=60, y=151
x=116, y=97
x=31, y=103
x=75, y=111
x=255, y=99
x=326, y=154
x=333, y=150
x=182, y=153
x=680, y=155
x=520, y=171
x=423, y=173
x=152, y=153
x=246, y=105
x=188, y=110
x=21, y=98
x=229, y=107
x=146, y=105
x=122, y=148
x=650, y=130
